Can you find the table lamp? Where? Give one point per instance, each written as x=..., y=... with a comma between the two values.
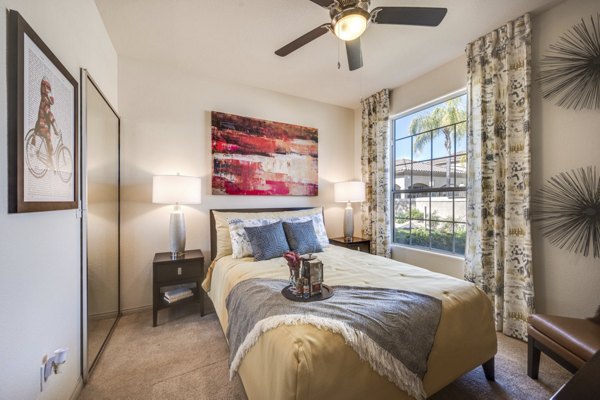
x=176, y=190
x=349, y=192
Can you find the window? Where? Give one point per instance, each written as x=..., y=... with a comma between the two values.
x=429, y=155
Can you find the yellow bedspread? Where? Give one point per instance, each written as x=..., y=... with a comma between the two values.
x=303, y=362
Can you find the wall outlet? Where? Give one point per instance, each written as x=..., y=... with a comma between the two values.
x=52, y=365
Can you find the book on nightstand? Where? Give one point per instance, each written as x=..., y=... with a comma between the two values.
x=174, y=295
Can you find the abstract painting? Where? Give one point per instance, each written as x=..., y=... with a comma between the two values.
x=257, y=157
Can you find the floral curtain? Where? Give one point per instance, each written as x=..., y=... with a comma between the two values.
x=498, y=254
x=375, y=171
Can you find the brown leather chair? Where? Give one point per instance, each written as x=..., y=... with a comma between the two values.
x=571, y=342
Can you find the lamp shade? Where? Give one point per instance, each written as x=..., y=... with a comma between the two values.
x=176, y=189
x=351, y=191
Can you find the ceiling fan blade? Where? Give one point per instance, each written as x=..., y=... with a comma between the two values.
x=422, y=16
x=323, y=3
x=354, y=54
x=302, y=40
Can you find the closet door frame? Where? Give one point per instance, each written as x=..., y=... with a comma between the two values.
x=86, y=369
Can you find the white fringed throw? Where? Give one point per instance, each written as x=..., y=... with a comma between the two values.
x=392, y=330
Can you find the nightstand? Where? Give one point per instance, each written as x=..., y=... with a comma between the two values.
x=168, y=273
x=357, y=243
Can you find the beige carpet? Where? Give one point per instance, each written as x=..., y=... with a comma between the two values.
x=186, y=358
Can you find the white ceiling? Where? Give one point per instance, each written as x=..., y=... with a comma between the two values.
x=234, y=40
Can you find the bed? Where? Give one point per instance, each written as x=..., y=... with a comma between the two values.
x=304, y=362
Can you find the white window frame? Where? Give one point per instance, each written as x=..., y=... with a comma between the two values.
x=392, y=191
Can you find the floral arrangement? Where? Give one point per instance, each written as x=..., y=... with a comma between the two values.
x=294, y=262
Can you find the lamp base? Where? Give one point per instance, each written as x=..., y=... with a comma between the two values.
x=177, y=233
x=348, y=223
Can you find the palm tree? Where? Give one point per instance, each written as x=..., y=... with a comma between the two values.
x=445, y=115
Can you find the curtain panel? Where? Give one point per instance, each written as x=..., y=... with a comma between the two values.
x=498, y=254
x=375, y=171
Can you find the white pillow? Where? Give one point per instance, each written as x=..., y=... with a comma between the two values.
x=318, y=223
x=240, y=243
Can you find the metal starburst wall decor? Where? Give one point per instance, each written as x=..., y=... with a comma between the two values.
x=568, y=209
x=571, y=70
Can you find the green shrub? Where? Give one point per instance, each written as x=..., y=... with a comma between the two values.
x=413, y=214
x=441, y=239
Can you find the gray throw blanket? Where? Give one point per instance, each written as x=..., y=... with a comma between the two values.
x=391, y=329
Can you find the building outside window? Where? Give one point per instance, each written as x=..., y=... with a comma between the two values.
x=429, y=190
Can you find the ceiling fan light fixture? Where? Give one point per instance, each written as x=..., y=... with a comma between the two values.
x=350, y=24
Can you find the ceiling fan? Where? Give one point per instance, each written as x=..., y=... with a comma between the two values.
x=349, y=19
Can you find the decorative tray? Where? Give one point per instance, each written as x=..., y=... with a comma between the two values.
x=326, y=293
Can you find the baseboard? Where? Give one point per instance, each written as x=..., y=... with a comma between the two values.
x=111, y=314
x=136, y=310
x=77, y=391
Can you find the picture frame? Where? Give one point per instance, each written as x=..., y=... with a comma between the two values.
x=43, y=141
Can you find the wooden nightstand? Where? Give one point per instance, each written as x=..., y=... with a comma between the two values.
x=167, y=273
x=357, y=243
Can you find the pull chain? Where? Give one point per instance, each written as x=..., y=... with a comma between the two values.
x=360, y=85
x=339, y=65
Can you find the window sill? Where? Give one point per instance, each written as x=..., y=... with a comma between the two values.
x=428, y=252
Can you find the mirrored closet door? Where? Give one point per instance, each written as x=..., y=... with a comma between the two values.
x=100, y=222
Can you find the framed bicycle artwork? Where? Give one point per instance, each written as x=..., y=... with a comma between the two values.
x=42, y=124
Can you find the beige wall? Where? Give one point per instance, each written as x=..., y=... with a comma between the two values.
x=166, y=129
x=562, y=140
x=443, y=80
x=40, y=263
x=565, y=283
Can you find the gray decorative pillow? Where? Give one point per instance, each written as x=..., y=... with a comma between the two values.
x=240, y=244
x=318, y=224
x=302, y=237
x=268, y=241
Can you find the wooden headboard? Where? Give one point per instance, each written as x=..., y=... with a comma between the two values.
x=213, y=229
